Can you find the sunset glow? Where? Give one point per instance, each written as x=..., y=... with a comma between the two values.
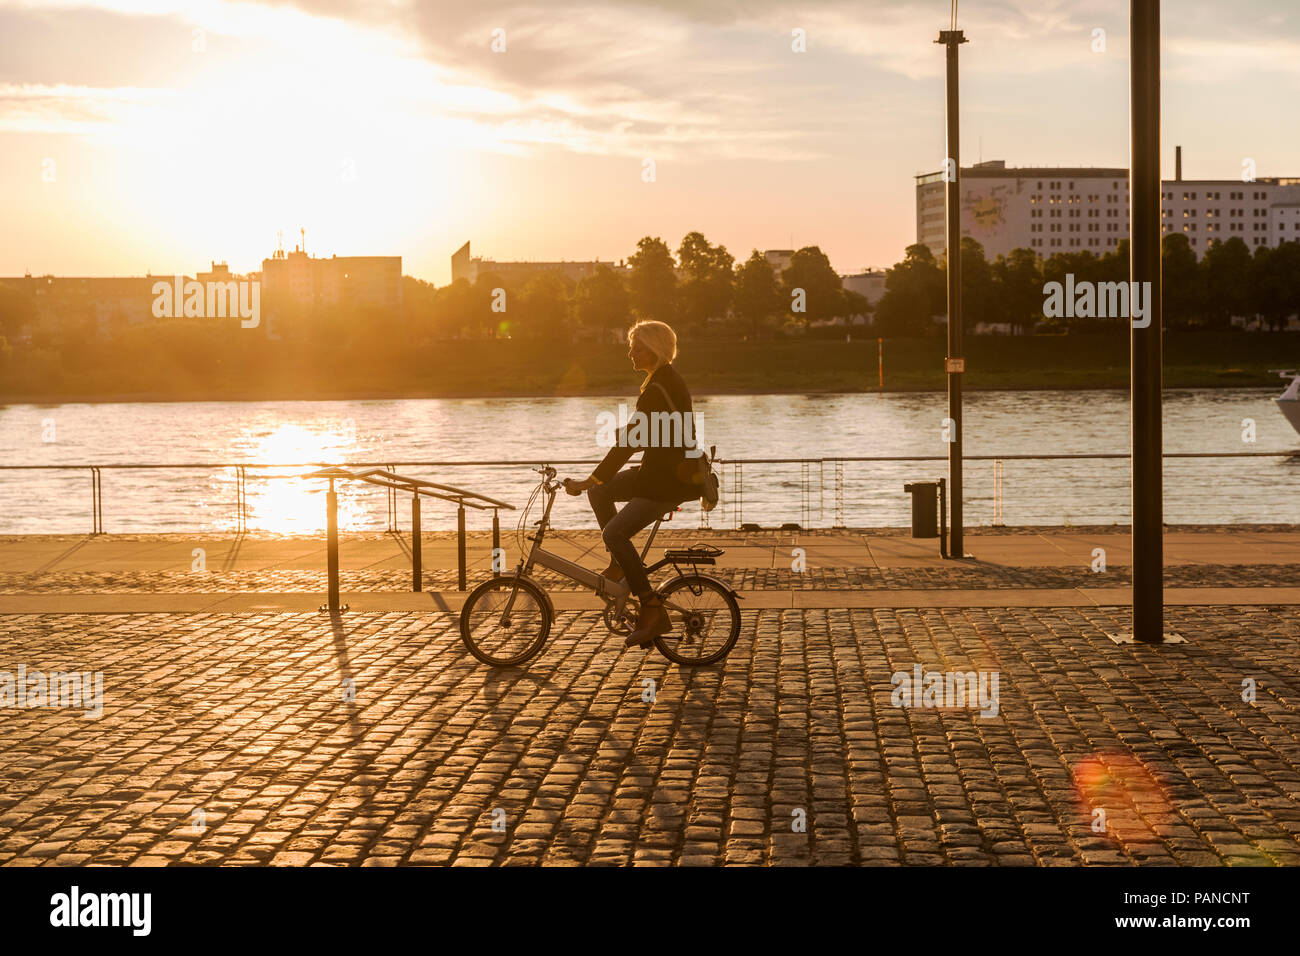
x=186, y=132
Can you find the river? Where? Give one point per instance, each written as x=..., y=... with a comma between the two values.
x=823, y=426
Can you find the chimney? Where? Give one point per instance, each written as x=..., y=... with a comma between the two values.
x=1178, y=164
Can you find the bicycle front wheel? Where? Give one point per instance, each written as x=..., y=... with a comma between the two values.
x=705, y=620
x=505, y=620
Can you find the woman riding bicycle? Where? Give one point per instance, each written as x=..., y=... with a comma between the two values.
x=658, y=486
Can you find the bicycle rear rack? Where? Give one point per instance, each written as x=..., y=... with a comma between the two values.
x=695, y=554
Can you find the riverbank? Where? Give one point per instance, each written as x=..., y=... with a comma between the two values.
x=257, y=370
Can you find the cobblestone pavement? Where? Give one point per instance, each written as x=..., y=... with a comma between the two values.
x=955, y=577
x=375, y=739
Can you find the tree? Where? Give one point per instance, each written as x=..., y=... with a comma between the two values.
x=1115, y=264
x=1018, y=289
x=1286, y=259
x=652, y=280
x=490, y=303
x=16, y=311
x=455, y=309
x=1083, y=266
x=707, y=291
x=419, y=300
x=914, y=293
x=856, y=304
x=601, y=300
x=758, y=294
x=810, y=282
x=1180, y=282
x=543, y=307
x=1225, y=279
x=1275, y=280
x=976, y=284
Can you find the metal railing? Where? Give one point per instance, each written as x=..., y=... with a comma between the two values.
x=241, y=480
x=387, y=477
x=730, y=469
x=735, y=490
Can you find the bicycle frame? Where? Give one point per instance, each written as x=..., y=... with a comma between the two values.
x=613, y=592
x=570, y=569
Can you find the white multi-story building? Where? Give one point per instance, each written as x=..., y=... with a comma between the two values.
x=359, y=280
x=1053, y=209
x=464, y=266
x=869, y=283
x=778, y=259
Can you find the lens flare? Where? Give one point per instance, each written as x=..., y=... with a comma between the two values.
x=1125, y=792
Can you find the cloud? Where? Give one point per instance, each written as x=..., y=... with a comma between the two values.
x=61, y=108
x=693, y=79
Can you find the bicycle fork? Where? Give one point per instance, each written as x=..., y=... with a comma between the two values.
x=510, y=601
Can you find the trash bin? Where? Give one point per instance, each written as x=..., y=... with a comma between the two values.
x=925, y=521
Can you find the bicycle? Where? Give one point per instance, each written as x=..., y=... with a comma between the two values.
x=506, y=619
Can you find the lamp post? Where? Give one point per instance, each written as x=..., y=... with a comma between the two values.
x=955, y=363
x=1144, y=273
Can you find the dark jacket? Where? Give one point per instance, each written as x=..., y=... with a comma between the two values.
x=665, y=472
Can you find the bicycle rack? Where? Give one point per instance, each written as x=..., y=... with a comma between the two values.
x=97, y=500
x=391, y=495
x=388, y=478
x=241, y=499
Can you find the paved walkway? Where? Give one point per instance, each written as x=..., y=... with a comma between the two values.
x=247, y=735
x=885, y=549
x=854, y=569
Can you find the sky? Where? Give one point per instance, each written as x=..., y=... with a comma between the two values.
x=155, y=136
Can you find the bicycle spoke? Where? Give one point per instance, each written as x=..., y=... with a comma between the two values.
x=705, y=620
x=504, y=622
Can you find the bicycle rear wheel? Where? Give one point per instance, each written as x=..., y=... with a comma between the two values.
x=707, y=625
x=502, y=639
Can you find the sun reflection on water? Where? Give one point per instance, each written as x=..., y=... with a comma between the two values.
x=288, y=505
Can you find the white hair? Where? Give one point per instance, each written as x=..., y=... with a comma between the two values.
x=658, y=337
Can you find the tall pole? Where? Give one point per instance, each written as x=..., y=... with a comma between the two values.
x=954, y=365
x=332, y=546
x=1144, y=273
x=417, y=544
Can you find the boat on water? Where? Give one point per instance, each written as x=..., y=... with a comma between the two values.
x=1289, y=401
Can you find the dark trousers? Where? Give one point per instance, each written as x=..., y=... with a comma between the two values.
x=618, y=528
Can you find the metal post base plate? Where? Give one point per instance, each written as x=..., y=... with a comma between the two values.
x=1126, y=637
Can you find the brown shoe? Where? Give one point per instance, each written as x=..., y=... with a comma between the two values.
x=613, y=572
x=650, y=622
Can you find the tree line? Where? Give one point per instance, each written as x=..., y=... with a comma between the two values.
x=1228, y=281
x=700, y=288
